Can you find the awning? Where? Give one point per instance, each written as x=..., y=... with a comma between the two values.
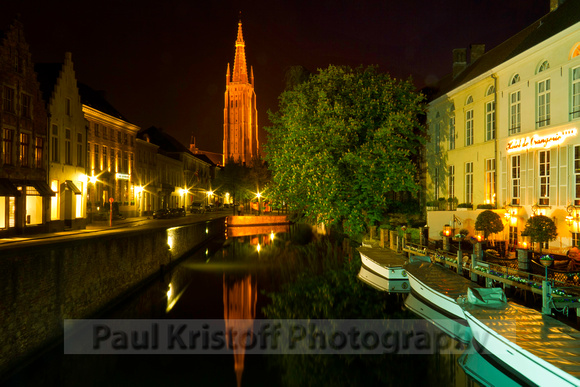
x=8, y=189
x=70, y=185
x=42, y=187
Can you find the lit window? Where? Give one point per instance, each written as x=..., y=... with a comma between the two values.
x=544, y=174
x=469, y=182
x=516, y=176
x=24, y=148
x=543, y=103
x=544, y=66
x=468, y=127
x=515, y=79
x=514, y=113
x=490, y=181
x=451, y=181
x=577, y=175
x=452, y=128
x=490, y=120
x=575, y=90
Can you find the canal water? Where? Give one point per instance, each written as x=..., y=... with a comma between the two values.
x=272, y=274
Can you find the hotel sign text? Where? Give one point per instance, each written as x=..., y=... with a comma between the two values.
x=535, y=141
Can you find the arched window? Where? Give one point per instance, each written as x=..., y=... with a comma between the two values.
x=452, y=108
x=575, y=51
x=490, y=90
x=544, y=66
x=469, y=100
x=515, y=79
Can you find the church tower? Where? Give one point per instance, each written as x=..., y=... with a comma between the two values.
x=240, y=113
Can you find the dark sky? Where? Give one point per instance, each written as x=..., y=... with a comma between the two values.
x=163, y=63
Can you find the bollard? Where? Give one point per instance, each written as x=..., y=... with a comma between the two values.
x=546, y=292
x=459, y=262
x=473, y=264
x=523, y=259
x=382, y=237
x=393, y=240
x=446, y=243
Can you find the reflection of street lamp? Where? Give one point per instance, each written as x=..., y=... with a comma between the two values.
x=138, y=191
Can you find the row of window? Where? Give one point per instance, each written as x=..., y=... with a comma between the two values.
x=99, y=130
x=9, y=102
x=119, y=161
x=543, y=177
x=68, y=156
x=543, y=111
x=26, y=147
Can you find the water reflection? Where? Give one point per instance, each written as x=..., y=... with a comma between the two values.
x=294, y=276
x=240, y=296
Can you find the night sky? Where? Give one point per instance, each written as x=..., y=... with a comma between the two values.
x=163, y=63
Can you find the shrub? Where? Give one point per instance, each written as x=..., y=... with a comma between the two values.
x=489, y=222
x=485, y=206
x=465, y=205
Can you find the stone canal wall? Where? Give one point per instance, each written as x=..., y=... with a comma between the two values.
x=42, y=285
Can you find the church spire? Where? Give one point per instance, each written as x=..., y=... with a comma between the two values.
x=240, y=68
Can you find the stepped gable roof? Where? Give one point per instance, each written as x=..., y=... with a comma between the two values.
x=47, y=74
x=96, y=100
x=566, y=15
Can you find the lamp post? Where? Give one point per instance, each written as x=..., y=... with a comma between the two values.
x=477, y=249
x=523, y=252
x=446, y=237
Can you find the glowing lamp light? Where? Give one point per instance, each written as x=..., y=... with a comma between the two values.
x=169, y=292
x=272, y=235
x=93, y=179
x=525, y=242
x=258, y=248
x=447, y=230
x=479, y=235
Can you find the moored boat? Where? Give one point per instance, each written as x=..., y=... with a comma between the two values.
x=438, y=287
x=380, y=283
x=534, y=348
x=451, y=327
x=384, y=263
x=485, y=373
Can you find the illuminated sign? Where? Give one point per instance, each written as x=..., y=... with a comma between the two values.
x=545, y=142
x=122, y=176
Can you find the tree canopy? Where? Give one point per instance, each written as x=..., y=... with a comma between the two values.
x=341, y=141
x=541, y=229
x=489, y=222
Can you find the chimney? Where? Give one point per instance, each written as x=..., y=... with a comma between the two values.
x=475, y=52
x=459, y=61
x=555, y=4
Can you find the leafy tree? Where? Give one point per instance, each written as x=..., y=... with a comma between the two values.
x=489, y=222
x=296, y=75
x=341, y=142
x=541, y=229
x=234, y=179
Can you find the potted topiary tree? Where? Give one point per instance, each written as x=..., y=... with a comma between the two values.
x=541, y=229
x=489, y=222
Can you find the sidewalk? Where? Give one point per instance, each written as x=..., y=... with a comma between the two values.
x=98, y=226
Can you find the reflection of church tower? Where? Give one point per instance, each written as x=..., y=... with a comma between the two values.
x=240, y=297
x=240, y=113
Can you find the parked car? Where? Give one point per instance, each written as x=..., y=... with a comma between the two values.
x=197, y=208
x=161, y=213
x=177, y=212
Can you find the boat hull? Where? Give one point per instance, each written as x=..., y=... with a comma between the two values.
x=445, y=304
x=380, y=283
x=513, y=357
x=390, y=272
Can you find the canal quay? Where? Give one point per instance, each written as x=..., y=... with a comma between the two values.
x=251, y=274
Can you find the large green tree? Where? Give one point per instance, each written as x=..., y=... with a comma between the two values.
x=341, y=141
x=541, y=229
x=489, y=222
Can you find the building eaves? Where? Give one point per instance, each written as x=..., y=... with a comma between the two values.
x=565, y=16
x=96, y=100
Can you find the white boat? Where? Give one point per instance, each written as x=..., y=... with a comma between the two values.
x=484, y=372
x=380, y=283
x=451, y=327
x=535, y=348
x=438, y=287
x=384, y=263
